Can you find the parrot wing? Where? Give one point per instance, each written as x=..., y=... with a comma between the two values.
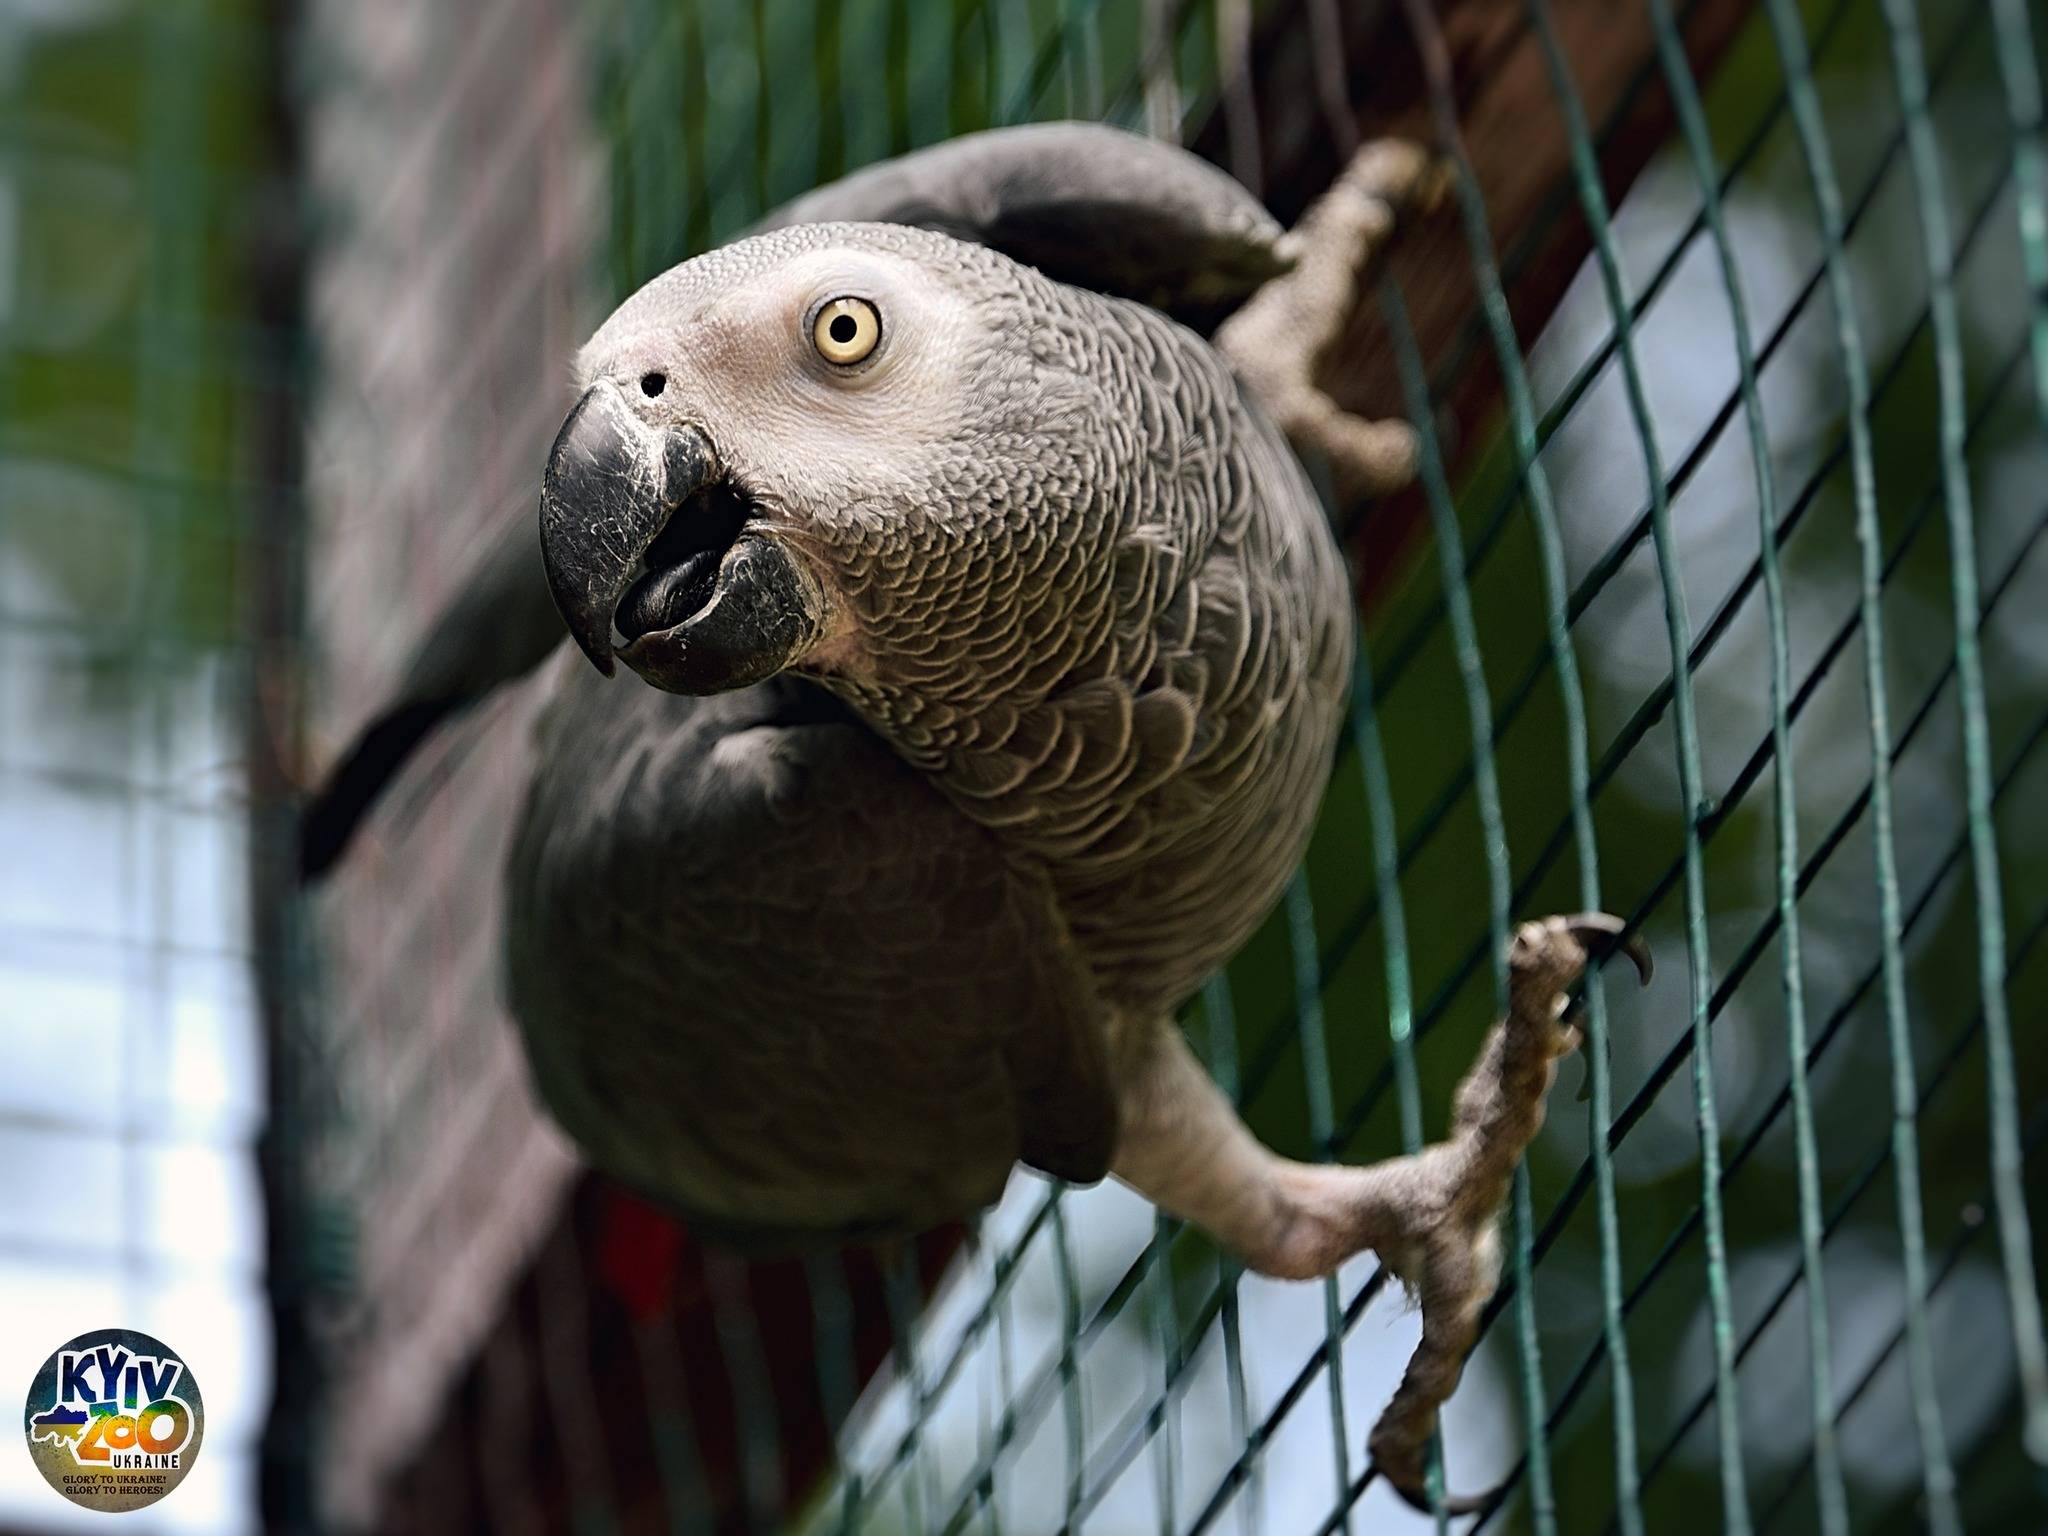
x=780, y=870
x=1086, y=204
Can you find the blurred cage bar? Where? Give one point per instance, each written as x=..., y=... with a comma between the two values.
x=143, y=376
x=1785, y=1282
x=450, y=176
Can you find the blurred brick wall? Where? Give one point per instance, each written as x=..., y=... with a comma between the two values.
x=454, y=208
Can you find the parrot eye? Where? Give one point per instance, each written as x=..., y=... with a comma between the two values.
x=846, y=331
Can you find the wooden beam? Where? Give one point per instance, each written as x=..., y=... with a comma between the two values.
x=1513, y=133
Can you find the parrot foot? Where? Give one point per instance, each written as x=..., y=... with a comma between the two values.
x=1279, y=339
x=1431, y=1216
x=1448, y=1250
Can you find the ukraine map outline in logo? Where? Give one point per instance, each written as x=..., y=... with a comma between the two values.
x=114, y=1419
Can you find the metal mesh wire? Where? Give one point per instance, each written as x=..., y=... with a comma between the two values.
x=902, y=1478
x=1777, y=1271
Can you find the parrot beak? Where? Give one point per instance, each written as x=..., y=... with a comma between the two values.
x=653, y=556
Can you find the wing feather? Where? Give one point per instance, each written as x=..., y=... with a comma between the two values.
x=767, y=971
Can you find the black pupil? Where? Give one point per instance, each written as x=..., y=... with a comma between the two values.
x=653, y=383
x=844, y=328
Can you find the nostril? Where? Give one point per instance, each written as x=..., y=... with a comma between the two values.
x=652, y=384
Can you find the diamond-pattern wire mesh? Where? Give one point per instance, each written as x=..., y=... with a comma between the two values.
x=1087, y=43
x=1631, y=614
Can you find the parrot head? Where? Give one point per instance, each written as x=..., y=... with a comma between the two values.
x=780, y=443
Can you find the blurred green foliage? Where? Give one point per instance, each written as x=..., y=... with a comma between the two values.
x=130, y=157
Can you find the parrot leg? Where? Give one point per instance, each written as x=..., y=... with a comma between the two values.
x=1279, y=339
x=1430, y=1216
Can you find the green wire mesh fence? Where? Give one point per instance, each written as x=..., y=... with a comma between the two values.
x=1718, y=605
x=1816, y=252
x=139, y=372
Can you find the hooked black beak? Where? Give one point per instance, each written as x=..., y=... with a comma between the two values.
x=641, y=535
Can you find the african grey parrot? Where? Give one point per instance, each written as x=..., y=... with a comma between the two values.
x=999, y=648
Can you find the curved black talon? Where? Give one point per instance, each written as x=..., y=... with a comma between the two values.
x=1497, y=1111
x=1467, y=1504
x=1601, y=934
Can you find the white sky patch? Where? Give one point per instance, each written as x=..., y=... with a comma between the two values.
x=133, y=1083
x=1119, y=1374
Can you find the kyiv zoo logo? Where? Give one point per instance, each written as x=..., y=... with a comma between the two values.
x=114, y=1420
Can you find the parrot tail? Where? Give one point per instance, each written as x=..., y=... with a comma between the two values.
x=328, y=824
x=497, y=623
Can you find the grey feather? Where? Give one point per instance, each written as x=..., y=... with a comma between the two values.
x=831, y=953
x=814, y=997
x=1088, y=204
x=810, y=968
